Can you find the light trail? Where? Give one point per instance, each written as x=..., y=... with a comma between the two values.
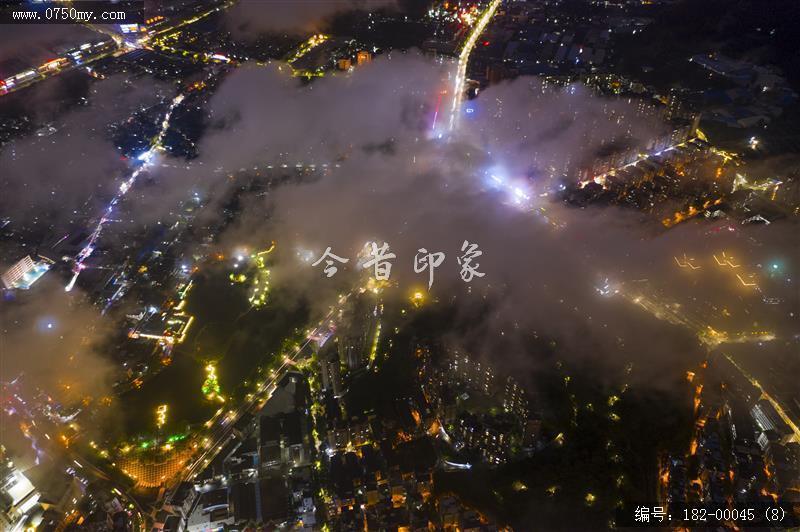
x=436, y=112
x=146, y=159
x=463, y=59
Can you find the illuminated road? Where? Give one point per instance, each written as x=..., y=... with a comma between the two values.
x=146, y=159
x=675, y=314
x=37, y=75
x=764, y=395
x=602, y=179
x=124, y=46
x=463, y=60
x=194, y=18
x=517, y=190
x=223, y=423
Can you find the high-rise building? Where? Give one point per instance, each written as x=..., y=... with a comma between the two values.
x=674, y=105
x=472, y=373
x=17, y=493
x=515, y=400
x=768, y=419
x=330, y=371
x=25, y=272
x=352, y=351
x=363, y=57
x=357, y=332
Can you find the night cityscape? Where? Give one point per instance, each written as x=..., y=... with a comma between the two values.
x=399, y=265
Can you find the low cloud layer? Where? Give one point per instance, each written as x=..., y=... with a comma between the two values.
x=392, y=178
x=52, y=339
x=398, y=182
x=52, y=173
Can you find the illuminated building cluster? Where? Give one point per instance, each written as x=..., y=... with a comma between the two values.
x=459, y=391
x=154, y=470
x=24, y=273
x=169, y=327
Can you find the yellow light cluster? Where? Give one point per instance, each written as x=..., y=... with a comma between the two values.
x=161, y=415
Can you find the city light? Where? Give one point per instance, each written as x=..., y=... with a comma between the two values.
x=306, y=47
x=211, y=388
x=690, y=212
x=373, y=350
x=261, y=280
x=186, y=142
x=88, y=249
x=747, y=283
x=686, y=263
x=740, y=182
x=725, y=260
x=161, y=416
x=417, y=298
x=463, y=60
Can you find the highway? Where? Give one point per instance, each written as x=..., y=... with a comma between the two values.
x=463, y=60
